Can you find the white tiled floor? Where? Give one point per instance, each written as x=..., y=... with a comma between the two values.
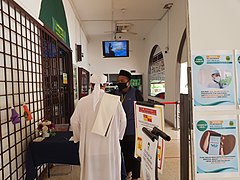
x=171, y=170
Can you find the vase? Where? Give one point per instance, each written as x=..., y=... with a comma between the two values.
x=45, y=134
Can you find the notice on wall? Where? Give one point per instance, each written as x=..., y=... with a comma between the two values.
x=148, y=161
x=149, y=117
x=237, y=65
x=75, y=82
x=213, y=79
x=216, y=146
x=65, y=78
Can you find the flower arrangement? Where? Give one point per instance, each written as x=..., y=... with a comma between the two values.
x=46, y=128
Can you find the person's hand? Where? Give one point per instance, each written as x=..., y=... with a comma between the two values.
x=206, y=142
x=221, y=146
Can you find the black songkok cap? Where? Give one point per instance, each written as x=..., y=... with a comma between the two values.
x=125, y=73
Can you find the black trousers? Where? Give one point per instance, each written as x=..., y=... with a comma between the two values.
x=131, y=163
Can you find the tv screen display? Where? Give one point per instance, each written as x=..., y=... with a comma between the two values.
x=115, y=48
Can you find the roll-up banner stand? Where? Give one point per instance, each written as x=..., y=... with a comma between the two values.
x=149, y=116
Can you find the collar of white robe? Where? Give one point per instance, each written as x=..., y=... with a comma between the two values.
x=97, y=79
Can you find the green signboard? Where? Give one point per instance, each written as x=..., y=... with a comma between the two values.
x=135, y=82
x=59, y=30
x=52, y=14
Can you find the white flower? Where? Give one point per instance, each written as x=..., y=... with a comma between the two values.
x=45, y=129
x=48, y=123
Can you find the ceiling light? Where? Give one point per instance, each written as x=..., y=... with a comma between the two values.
x=124, y=30
x=123, y=10
x=168, y=6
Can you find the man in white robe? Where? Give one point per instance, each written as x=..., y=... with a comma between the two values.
x=98, y=123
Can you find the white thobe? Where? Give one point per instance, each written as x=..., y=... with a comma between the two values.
x=100, y=157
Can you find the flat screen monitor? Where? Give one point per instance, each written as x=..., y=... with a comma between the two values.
x=115, y=48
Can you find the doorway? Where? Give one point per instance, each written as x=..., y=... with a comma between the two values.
x=57, y=80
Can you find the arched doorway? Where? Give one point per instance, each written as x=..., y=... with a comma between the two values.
x=156, y=73
x=181, y=68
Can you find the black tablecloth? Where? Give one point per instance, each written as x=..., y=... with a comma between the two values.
x=57, y=149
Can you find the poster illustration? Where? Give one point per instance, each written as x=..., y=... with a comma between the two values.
x=148, y=161
x=213, y=79
x=216, y=146
x=237, y=64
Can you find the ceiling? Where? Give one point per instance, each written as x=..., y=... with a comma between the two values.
x=100, y=17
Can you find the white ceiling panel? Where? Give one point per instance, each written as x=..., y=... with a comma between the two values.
x=94, y=9
x=97, y=27
x=99, y=17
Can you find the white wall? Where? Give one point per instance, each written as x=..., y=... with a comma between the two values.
x=32, y=7
x=76, y=35
x=214, y=25
x=177, y=24
x=113, y=65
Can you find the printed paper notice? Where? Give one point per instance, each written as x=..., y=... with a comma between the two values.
x=237, y=64
x=213, y=79
x=216, y=145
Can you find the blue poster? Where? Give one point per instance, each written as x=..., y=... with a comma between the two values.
x=213, y=79
x=237, y=62
x=216, y=144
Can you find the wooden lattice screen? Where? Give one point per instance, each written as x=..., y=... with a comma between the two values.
x=20, y=81
x=25, y=47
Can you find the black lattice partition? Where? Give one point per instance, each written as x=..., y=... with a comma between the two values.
x=35, y=69
x=20, y=81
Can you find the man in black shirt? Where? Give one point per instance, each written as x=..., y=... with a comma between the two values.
x=128, y=96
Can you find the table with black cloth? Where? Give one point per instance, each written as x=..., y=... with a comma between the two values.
x=56, y=149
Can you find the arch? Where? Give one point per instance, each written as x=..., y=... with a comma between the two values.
x=156, y=73
x=180, y=49
x=179, y=60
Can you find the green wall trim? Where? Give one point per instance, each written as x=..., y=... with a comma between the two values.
x=52, y=14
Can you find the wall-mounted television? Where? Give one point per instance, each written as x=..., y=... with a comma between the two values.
x=115, y=48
